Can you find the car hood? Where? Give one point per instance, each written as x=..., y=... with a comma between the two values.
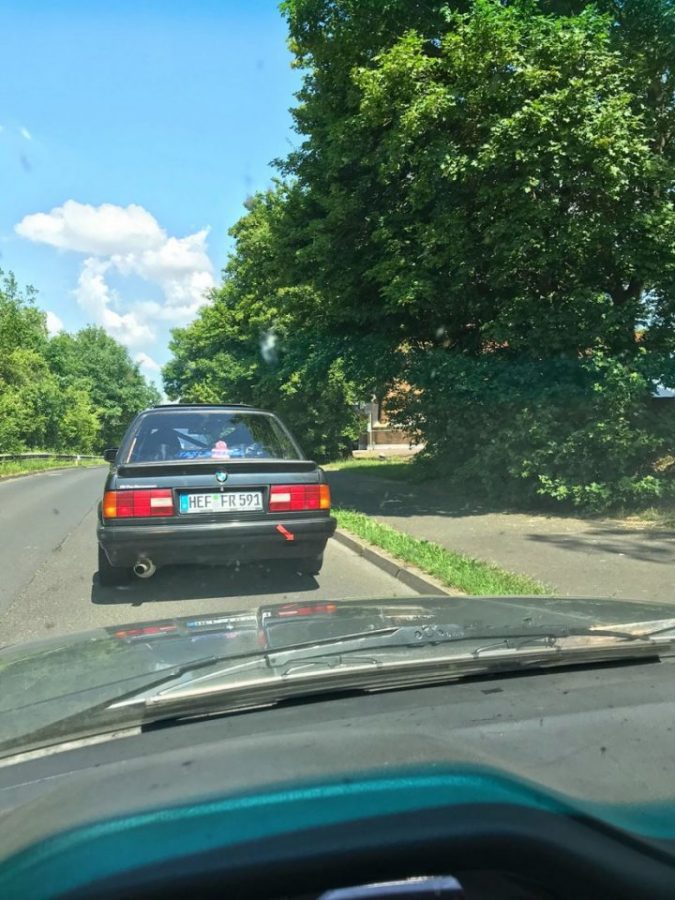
x=47, y=686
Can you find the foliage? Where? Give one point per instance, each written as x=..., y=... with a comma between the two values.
x=91, y=361
x=252, y=344
x=13, y=467
x=480, y=206
x=71, y=393
x=530, y=213
x=580, y=431
x=519, y=200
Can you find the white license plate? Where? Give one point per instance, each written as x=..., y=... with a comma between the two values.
x=231, y=501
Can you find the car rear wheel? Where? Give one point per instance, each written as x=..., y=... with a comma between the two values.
x=309, y=565
x=110, y=575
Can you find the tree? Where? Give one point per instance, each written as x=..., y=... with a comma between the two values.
x=488, y=175
x=336, y=191
x=490, y=192
x=481, y=206
x=79, y=425
x=73, y=393
x=258, y=341
x=22, y=325
x=525, y=246
x=93, y=361
x=26, y=384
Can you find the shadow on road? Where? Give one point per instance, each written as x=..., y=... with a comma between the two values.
x=379, y=496
x=640, y=544
x=200, y=583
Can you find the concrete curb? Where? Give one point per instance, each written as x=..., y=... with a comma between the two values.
x=409, y=575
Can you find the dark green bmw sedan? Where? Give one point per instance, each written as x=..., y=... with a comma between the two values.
x=210, y=484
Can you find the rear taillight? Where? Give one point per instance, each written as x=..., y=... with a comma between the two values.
x=297, y=497
x=145, y=631
x=310, y=609
x=138, y=504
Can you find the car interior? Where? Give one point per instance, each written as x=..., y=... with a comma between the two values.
x=421, y=792
x=163, y=442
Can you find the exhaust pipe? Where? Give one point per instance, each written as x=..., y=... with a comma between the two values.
x=145, y=568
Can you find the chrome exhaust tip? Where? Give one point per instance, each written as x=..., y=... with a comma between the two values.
x=145, y=568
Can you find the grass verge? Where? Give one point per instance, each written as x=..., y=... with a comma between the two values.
x=26, y=466
x=454, y=569
x=650, y=518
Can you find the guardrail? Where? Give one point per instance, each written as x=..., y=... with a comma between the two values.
x=70, y=457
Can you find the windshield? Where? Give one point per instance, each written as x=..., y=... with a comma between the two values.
x=325, y=324
x=194, y=435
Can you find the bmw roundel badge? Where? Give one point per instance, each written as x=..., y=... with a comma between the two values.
x=221, y=477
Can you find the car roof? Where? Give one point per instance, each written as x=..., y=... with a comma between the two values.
x=203, y=406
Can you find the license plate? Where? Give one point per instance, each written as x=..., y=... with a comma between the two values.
x=231, y=501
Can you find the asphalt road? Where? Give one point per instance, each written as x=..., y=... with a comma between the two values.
x=48, y=564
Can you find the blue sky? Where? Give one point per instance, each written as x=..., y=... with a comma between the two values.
x=131, y=134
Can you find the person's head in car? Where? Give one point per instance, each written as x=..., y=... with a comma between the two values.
x=162, y=444
x=239, y=436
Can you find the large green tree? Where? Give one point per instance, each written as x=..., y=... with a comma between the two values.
x=28, y=389
x=526, y=223
x=92, y=360
x=481, y=206
x=336, y=198
x=72, y=393
x=486, y=175
x=490, y=192
x=519, y=198
x=258, y=341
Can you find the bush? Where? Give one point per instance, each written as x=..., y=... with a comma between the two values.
x=576, y=431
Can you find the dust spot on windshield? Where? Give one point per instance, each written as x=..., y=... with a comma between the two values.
x=269, y=347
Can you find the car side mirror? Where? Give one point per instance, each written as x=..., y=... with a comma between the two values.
x=110, y=454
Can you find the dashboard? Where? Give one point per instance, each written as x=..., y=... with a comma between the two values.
x=554, y=784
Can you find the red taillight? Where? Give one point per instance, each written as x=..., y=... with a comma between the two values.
x=138, y=504
x=146, y=631
x=297, y=497
x=311, y=609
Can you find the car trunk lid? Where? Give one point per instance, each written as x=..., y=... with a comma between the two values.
x=207, y=467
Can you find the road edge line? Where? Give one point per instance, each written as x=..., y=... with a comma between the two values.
x=407, y=574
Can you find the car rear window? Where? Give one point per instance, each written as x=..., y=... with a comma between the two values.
x=210, y=435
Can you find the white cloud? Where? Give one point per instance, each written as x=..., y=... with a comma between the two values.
x=103, y=230
x=127, y=241
x=147, y=362
x=180, y=266
x=25, y=133
x=54, y=324
x=97, y=299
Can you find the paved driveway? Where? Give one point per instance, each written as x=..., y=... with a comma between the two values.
x=593, y=557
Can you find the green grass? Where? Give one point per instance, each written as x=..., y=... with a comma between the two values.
x=26, y=466
x=453, y=569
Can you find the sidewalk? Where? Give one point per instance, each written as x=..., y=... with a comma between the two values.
x=576, y=557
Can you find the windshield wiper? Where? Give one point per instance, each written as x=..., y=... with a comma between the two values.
x=361, y=647
x=308, y=672
x=406, y=636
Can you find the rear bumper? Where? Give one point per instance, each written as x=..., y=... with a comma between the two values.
x=215, y=542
